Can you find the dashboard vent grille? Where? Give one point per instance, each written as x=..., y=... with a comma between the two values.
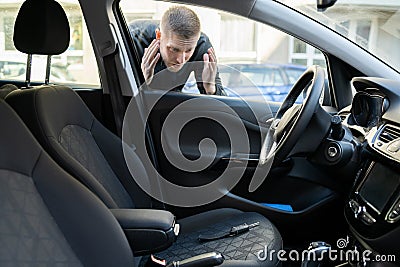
x=389, y=133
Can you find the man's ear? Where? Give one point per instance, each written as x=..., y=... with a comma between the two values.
x=158, y=34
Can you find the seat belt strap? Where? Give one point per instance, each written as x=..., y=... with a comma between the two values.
x=114, y=88
x=119, y=107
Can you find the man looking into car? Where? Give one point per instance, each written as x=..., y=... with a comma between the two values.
x=170, y=45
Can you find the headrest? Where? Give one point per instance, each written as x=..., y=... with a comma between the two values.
x=41, y=28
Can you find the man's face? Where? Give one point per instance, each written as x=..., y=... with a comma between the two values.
x=176, y=50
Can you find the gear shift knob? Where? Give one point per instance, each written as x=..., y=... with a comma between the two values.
x=203, y=260
x=317, y=252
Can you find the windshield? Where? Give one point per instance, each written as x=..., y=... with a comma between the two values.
x=373, y=25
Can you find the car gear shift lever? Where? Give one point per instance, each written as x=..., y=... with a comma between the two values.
x=203, y=260
x=317, y=252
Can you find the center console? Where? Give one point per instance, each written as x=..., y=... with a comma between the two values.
x=375, y=202
x=373, y=208
x=148, y=231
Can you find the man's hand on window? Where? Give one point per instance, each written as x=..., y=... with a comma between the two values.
x=209, y=71
x=149, y=60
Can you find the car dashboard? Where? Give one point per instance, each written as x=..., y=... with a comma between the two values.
x=373, y=207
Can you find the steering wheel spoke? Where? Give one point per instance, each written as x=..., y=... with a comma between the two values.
x=292, y=119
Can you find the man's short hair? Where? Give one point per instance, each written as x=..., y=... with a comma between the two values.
x=181, y=21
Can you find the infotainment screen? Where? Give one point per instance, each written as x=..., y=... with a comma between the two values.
x=379, y=186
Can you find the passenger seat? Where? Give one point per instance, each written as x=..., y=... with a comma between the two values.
x=48, y=218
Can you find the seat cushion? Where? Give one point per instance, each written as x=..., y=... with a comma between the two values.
x=240, y=250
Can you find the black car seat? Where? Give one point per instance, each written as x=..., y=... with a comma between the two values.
x=48, y=218
x=71, y=134
x=6, y=89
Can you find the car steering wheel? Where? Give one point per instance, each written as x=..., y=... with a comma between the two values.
x=292, y=119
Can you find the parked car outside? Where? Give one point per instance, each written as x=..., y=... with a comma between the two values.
x=15, y=69
x=252, y=80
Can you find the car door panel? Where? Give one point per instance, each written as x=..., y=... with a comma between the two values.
x=232, y=113
x=296, y=183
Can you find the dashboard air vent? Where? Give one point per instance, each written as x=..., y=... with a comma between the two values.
x=343, y=117
x=389, y=133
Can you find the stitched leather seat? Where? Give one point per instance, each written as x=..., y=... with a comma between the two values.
x=48, y=218
x=78, y=142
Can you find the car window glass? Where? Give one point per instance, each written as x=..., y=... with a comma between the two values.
x=253, y=58
x=77, y=65
x=373, y=25
x=293, y=74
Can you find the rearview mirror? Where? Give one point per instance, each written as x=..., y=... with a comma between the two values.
x=322, y=5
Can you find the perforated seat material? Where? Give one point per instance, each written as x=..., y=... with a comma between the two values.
x=80, y=144
x=47, y=217
x=241, y=250
x=28, y=233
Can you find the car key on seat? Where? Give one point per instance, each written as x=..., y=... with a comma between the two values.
x=235, y=230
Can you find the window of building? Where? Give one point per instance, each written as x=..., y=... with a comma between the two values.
x=76, y=65
x=8, y=29
x=299, y=47
x=303, y=54
x=229, y=44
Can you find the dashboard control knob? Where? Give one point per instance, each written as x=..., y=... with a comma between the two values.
x=394, y=146
x=367, y=218
x=354, y=206
x=394, y=214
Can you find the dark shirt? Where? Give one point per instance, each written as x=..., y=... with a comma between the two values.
x=143, y=33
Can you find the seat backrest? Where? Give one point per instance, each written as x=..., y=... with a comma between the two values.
x=47, y=218
x=6, y=89
x=79, y=143
x=66, y=128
